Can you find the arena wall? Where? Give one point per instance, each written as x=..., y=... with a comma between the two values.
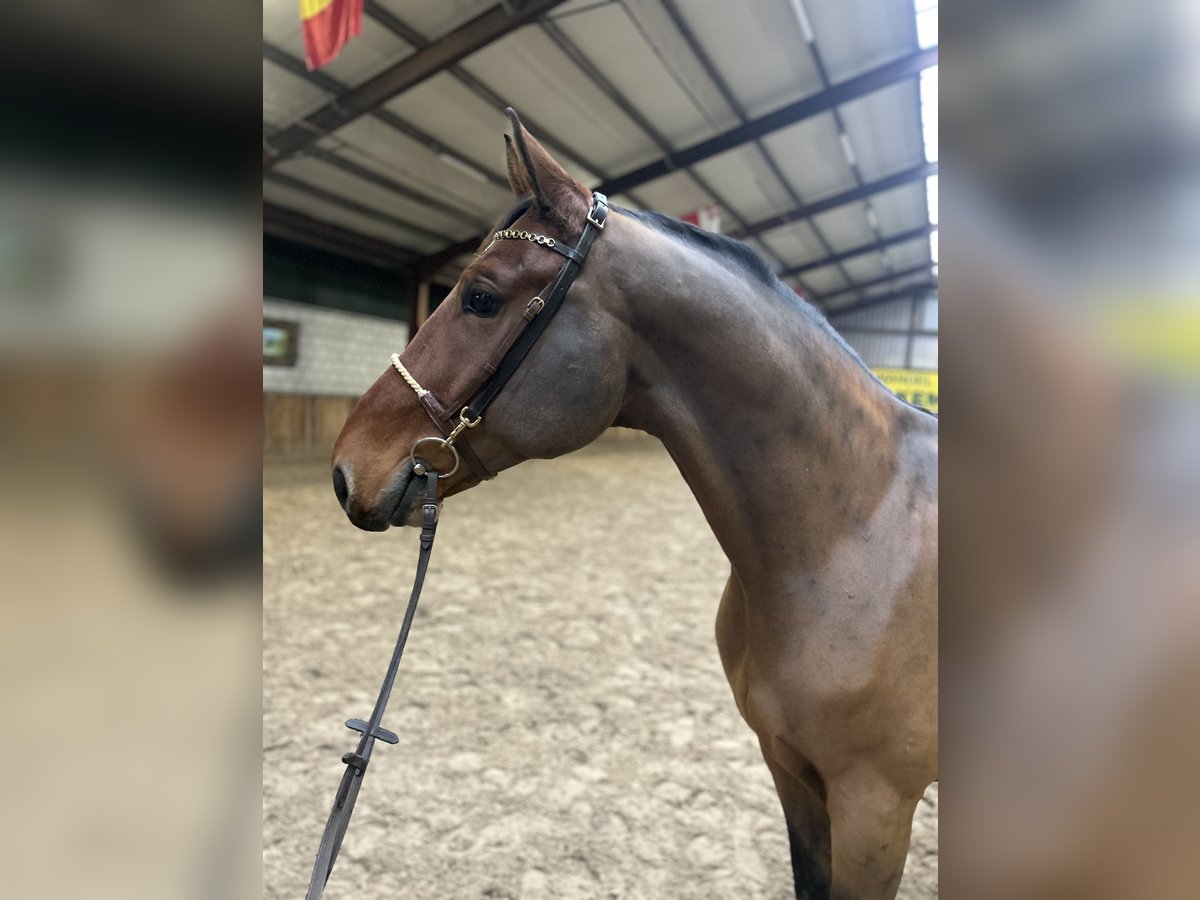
x=338, y=356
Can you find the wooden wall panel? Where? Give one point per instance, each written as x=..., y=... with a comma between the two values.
x=286, y=422
x=303, y=424
x=329, y=415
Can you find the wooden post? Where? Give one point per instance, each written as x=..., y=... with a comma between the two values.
x=914, y=325
x=422, y=303
x=411, y=316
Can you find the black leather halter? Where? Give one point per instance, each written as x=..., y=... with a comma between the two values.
x=508, y=357
x=513, y=349
x=596, y=220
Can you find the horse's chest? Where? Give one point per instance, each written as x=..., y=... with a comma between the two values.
x=829, y=638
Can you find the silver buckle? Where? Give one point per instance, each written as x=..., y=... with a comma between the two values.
x=598, y=201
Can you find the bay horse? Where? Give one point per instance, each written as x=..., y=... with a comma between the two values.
x=819, y=484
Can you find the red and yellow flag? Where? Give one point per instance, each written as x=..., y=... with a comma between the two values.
x=328, y=25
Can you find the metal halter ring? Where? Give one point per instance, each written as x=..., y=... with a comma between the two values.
x=419, y=468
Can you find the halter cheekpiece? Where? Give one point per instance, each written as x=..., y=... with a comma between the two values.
x=517, y=343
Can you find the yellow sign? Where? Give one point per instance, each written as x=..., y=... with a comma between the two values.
x=917, y=387
x=1160, y=335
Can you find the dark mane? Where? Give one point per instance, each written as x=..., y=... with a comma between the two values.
x=519, y=209
x=740, y=255
x=505, y=221
x=745, y=258
x=716, y=244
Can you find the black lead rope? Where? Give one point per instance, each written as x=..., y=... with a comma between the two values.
x=356, y=762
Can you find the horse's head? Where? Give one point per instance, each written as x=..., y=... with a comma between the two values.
x=564, y=393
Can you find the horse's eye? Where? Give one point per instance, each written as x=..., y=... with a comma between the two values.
x=480, y=302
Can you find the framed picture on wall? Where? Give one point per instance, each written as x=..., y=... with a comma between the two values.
x=281, y=340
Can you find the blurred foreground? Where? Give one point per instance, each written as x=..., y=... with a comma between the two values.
x=129, y=473
x=1071, y=352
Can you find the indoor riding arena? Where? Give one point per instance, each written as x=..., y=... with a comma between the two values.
x=565, y=724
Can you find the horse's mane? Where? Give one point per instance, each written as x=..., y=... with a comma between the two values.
x=742, y=256
x=518, y=209
x=746, y=258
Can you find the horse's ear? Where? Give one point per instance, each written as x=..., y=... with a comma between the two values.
x=532, y=170
x=516, y=176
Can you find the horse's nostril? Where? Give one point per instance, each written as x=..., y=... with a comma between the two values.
x=339, y=486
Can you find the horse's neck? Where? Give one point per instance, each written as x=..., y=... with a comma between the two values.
x=786, y=441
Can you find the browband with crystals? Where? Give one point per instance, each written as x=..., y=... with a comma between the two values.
x=511, y=234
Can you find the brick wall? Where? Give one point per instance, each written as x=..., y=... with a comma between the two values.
x=340, y=355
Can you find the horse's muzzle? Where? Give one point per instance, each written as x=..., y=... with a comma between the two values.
x=399, y=503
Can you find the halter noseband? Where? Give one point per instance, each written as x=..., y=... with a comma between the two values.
x=512, y=350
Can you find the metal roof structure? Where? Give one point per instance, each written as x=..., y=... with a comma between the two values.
x=800, y=119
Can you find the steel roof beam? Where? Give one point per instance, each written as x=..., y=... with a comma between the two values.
x=864, y=84
x=610, y=90
x=923, y=268
x=861, y=192
x=468, y=38
x=907, y=293
x=354, y=206
x=327, y=83
x=894, y=332
x=304, y=229
x=917, y=173
x=844, y=92
x=404, y=31
x=396, y=187
x=873, y=247
x=710, y=71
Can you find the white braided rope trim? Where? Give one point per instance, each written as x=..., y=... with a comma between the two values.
x=412, y=382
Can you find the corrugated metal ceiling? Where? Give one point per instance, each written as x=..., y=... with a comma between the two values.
x=424, y=171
